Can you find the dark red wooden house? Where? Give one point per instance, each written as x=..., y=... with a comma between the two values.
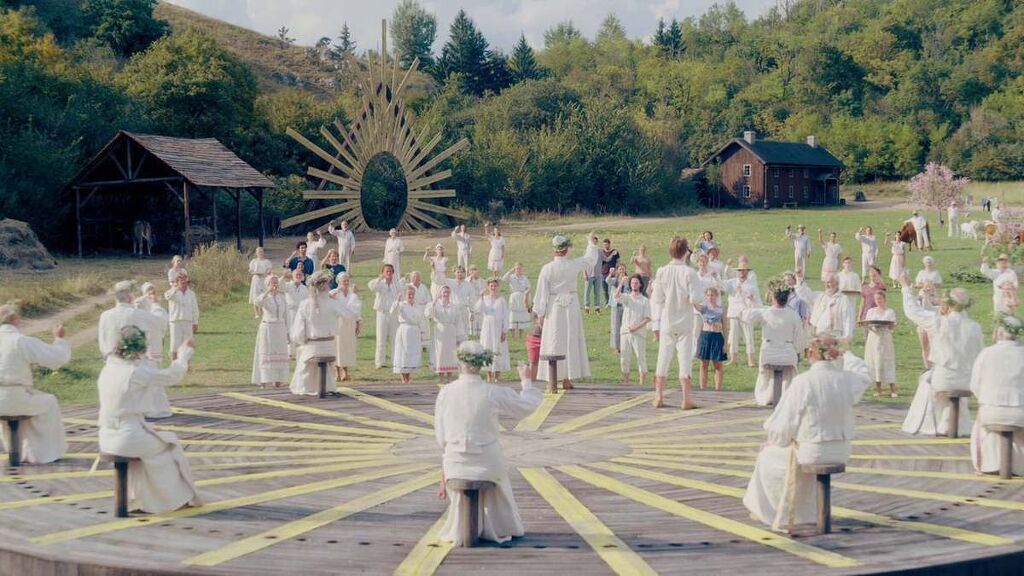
x=769, y=174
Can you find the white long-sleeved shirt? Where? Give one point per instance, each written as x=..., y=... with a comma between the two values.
x=318, y=318
x=677, y=289
x=385, y=295
x=560, y=278
x=782, y=335
x=463, y=242
x=997, y=378
x=123, y=387
x=834, y=314
x=18, y=353
x=182, y=306
x=741, y=293
x=635, y=309
x=346, y=240
x=801, y=243
x=955, y=341
x=1000, y=278
x=121, y=315
x=466, y=413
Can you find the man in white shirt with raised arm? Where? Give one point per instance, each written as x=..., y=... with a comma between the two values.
x=677, y=289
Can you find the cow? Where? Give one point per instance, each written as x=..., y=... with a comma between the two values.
x=909, y=235
x=142, y=233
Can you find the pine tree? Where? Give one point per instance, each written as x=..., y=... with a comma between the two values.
x=675, y=39
x=345, y=46
x=464, y=54
x=661, y=37
x=523, y=63
x=413, y=30
x=498, y=75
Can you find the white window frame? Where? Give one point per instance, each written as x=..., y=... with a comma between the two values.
x=807, y=192
x=792, y=190
x=746, y=191
x=775, y=190
x=792, y=172
x=747, y=170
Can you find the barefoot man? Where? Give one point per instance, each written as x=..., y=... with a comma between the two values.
x=677, y=288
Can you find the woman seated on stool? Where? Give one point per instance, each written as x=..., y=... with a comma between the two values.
x=813, y=424
x=466, y=426
x=161, y=481
x=997, y=381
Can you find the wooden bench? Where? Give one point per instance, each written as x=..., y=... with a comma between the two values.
x=776, y=382
x=120, y=481
x=13, y=423
x=953, y=423
x=469, y=510
x=1005, y=447
x=824, y=473
x=552, y=360
x=322, y=363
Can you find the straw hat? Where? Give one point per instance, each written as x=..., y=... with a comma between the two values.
x=1004, y=256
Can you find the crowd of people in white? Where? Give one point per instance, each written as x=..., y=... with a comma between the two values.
x=462, y=323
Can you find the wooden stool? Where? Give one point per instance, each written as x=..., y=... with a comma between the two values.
x=954, y=396
x=824, y=474
x=120, y=481
x=322, y=362
x=14, y=452
x=1005, y=447
x=776, y=382
x=552, y=361
x=469, y=491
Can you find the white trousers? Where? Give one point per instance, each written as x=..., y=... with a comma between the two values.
x=954, y=227
x=867, y=260
x=387, y=327
x=678, y=345
x=464, y=260
x=800, y=262
x=631, y=345
x=736, y=327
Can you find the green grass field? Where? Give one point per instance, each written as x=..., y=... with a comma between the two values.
x=1011, y=193
x=227, y=332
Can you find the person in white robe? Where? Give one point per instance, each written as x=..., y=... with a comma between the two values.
x=833, y=251
x=182, y=313
x=518, y=299
x=953, y=215
x=42, y=435
x=259, y=268
x=676, y=290
x=424, y=297
x=477, y=283
x=635, y=324
x=849, y=281
x=464, y=297
x=161, y=480
x=997, y=381
x=496, y=255
x=150, y=303
x=1004, y=285
x=493, y=311
x=921, y=228
x=295, y=292
x=314, y=242
x=463, y=244
x=833, y=313
x=445, y=316
x=270, y=358
x=467, y=428
x=313, y=332
x=393, y=248
x=345, y=342
x=557, y=306
x=177, y=268
x=955, y=341
x=929, y=274
x=898, y=263
x=741, y=290
x=387, y=288
x=813, y=424
x=801, y=246
x=868, y=249
x=125, y=313
x=408, y=353
x=879, y=351
x=782, y=340
x=346, y=242
x=438, y=268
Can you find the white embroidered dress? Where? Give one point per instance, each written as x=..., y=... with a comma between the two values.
x=494, y=324
x=270, y=358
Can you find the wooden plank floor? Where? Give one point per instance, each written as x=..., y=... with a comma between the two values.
x=605, y=483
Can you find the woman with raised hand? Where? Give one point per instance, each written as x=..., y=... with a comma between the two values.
x=494, y=329
x=408, y=352
x=349, y=328
x=833, y=250
x=518, y=299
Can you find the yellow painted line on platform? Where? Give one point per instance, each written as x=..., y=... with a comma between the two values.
x=260, y=443
x=673, y=415
x=281, y=454
x=388, y=405
x=534, y=421
x=881, y=442
x=910, y=457
x=297, y=528
x=671, y=430
x=290, y=423
x=265, y=434
x=231, y=503
x=644, y=438
x=750, y=453
x=690, y=458
x=272, y=463
x=837, y=511
x=364, y=420
x=428, y=553
x=615, y=553
x=752, y=533
x=602, y=413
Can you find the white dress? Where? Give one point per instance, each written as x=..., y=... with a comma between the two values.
x=494, y=323
x=898, y=264
x=294, y=293
x=464, y=248
x=446, y=330
x=813, y=424
x=925, y=277
x=879, y=353
x=393, y=249
x=162, y=480
x=834, y=314
x=258, y=269
x=868, y=252
x=997, y=381
x=801, y=249
x=558, y=304
x=438, y=274
x=270, y=358
x=346, y=245
x=173, y=273
x=408, y=353
x=849, y=282
x=831, y=262
x=1000, y=278
x=467, y=430
x=464, y=296
x=42, y=436
x=496, y=255
x=313, y=331
x=313, y=250
x=782, y=340
x=518, y=314
x=345, y=341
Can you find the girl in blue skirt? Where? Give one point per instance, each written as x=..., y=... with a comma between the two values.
x=711, y=344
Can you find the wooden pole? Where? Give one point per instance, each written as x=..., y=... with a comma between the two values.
x=259, y=202
x=78, y=219
x=188, y=219
x=238, y=220
x=213, y=198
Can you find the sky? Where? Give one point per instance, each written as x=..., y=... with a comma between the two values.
x=501, y=21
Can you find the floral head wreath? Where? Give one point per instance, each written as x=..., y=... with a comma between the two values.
x=778, y=286
x=955, y=303
x=9, y=311
x=1012, y=325
x=825, y=347
x=560, y=242
x=132, y=344
x=319, y=279
x=473, y=354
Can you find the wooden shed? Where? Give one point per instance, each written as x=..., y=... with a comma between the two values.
x=770, y=174
x=169, y=182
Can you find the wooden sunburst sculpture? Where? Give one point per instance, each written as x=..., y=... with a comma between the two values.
x=380, y=142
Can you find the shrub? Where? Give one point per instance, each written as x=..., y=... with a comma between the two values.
x=215, y=271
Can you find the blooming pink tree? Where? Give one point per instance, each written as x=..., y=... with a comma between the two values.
x=937, y=187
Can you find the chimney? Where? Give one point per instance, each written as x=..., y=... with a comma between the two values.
x=812, y=141
x=750, y=136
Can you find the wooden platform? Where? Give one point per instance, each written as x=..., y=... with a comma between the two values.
x=605, y=484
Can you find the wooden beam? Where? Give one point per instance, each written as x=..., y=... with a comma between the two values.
x=316, y=149
x=289, y=222
x=335, y=178
x=175, y=192
x=259, y=214
x=329, y=195
x=411, y=165
x=213, y=199
x=138, y=165
x=188, y=220
x=428, y=180
x=428, y=219
x=450, y=151
x=78, y=219
x=427, y=193
x=428, y=207
x=354, y=169
x=125, y=182
x=237, y=195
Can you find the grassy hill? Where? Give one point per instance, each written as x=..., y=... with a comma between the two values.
x=276, y=64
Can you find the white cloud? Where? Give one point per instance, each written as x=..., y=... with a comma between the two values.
x=501, y=21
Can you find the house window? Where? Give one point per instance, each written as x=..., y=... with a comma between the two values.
x=775, y=173
x=746, y=170
x=775, y=190
x=792, y=173
x=807, y=173
x=806, y=193
x=746, y=191
x=791, y=191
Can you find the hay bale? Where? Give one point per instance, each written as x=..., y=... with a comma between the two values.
x=20, y=248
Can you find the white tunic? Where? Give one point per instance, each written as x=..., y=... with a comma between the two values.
x=558, y=304
x=42, y=436
x=155, y=355
x=446, y=331
x=741, y=292
x=813, y=424
x=313, y=250
x=183, y=314
x=494, y=325
x=123, y=314
x=879, y=353
x=921, y=228
x=393, y=249
x=438, y=274
x=801, y=245
x=258, y=269
x=467, y=430
x=898, y=264
x=463, y=244
x=270, y=358
x=162, y=481
x=518, y=313
x=313, y=332
x=677, y=289
x=408, y=352
x=1000, y=279
x=868, y=251
x=928, y=277
x=848, y=281
x=782, y=340
x=831, y=262
x=835, y=315
x=346, y=341
x=173, y=273
x=997, y=381
x=346, y=244
x=385, y=295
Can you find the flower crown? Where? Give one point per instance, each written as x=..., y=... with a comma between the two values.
x=955, y=304
x=132, y=344
x=1013, y=325
x=320, y=278
x=9, y=311
x=825, y=347
x=475, y=359
x=778, y=285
